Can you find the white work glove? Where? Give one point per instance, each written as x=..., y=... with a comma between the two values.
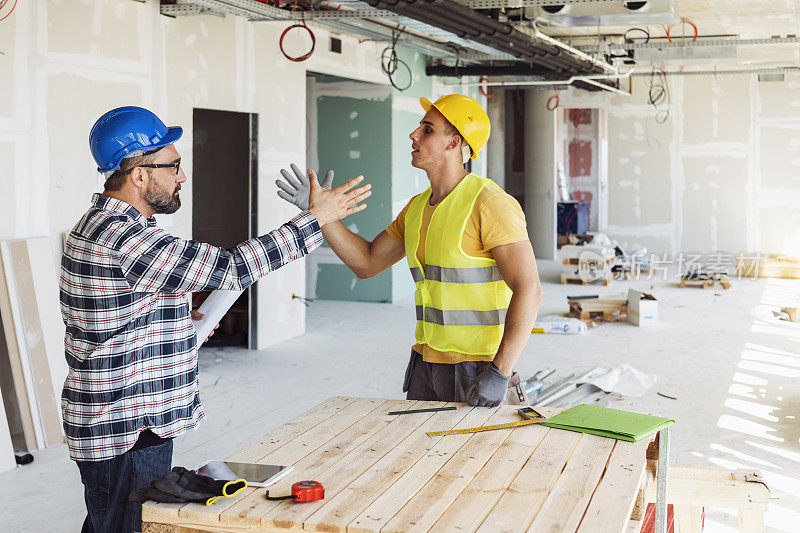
x=296, y=192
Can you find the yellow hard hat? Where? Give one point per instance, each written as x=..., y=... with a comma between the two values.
x=466, y=115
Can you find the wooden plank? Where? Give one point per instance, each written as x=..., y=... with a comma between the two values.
x=20, y=380
x=472, y=506
x=351, y=466
x=613, y=500
x=43, y=271
x=246, y=510
x=391, y=500
x=338, y=511
x=47, y=402
x=349, y=409
x=564, y=506
x=166, y=513
x=688, y=519
x=519, y=505
x=313, y=452
x=709, y=487
x=434, y=498
x=291, y=430
x=751, y=521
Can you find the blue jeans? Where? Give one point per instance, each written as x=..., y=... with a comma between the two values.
x=107, y=485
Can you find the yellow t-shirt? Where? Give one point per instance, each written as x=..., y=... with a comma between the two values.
x=496, y=219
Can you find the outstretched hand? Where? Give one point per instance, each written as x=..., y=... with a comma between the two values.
x=296, y=191
x=335, y=204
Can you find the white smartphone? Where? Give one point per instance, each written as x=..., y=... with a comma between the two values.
x=256, y=475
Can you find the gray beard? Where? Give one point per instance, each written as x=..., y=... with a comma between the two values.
x=161, y=201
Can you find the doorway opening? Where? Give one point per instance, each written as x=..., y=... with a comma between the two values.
x=581, y=171
x=224, y=191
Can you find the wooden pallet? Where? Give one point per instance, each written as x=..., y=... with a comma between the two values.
x=600, y=309
x=565, y=280
x=701, y=283
x=609, y=316
x=574, y=261
x=707, y=282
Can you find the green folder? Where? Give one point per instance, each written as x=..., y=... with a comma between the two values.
x=611, y=423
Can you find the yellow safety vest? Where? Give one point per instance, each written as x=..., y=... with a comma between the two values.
x=461, y=300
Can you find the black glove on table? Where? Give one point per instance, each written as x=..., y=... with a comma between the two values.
x=183, y=486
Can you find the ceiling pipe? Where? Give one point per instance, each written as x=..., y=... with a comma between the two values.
x=593, y=80
x=438, y=20
x=572, y=50
x=552, y=46
x=486, y=70
x=514, y=42
x=511, y=42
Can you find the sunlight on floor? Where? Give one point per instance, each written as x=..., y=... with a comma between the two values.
x=759, y=429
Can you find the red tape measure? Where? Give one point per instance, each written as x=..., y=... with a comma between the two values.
x=303, y=491
x=308, y=491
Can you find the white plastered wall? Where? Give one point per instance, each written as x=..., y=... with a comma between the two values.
x=67, y=62
x=721, y=175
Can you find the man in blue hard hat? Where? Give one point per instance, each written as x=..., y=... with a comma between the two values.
x=130, y=342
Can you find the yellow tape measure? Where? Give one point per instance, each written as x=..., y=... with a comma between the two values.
x=483, y=428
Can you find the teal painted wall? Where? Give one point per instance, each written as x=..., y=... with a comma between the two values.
x=354, y=138
x=381, y=150
x=407, y=180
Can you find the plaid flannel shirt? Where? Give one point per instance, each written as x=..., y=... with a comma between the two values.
x=130, y=342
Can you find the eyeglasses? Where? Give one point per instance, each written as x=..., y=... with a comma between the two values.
x=176, y=166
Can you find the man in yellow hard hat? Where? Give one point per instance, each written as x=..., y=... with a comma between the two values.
x=477, y=286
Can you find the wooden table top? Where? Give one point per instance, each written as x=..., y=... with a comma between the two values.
x=384, y=473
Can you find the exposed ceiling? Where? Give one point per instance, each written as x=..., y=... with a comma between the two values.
x=745, y=19
x=514, y=40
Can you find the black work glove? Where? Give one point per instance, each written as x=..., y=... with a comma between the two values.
x=183, y=486
x=488, y=389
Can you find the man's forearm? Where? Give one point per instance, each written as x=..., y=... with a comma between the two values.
x=353, y=250
x=520, y=318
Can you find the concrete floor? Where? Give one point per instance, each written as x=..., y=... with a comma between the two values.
x=734, y=376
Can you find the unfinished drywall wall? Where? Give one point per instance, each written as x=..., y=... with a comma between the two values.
x=406, y=115
x=722, y=174
x=68, y=62
x=353, y=137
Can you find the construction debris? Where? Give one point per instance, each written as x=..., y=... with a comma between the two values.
x=599, y=386
x=704, y=279
x=594, y=307
x=588, y=263
x=558, y=324
x=768, y=266
x=792, y=312
x=642, y=308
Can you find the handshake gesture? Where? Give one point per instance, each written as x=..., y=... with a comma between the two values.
x=327, y=204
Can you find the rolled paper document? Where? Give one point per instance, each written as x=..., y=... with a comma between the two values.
x=214, y=308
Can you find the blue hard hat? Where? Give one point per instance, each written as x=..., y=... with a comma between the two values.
x=128, y=131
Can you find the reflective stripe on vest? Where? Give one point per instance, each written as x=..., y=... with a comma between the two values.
x=462, y=317
x=457, y=275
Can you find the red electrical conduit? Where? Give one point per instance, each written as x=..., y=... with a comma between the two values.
x=683, y=21
x=302, y=25
x=484, y=92
x=3, y=4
